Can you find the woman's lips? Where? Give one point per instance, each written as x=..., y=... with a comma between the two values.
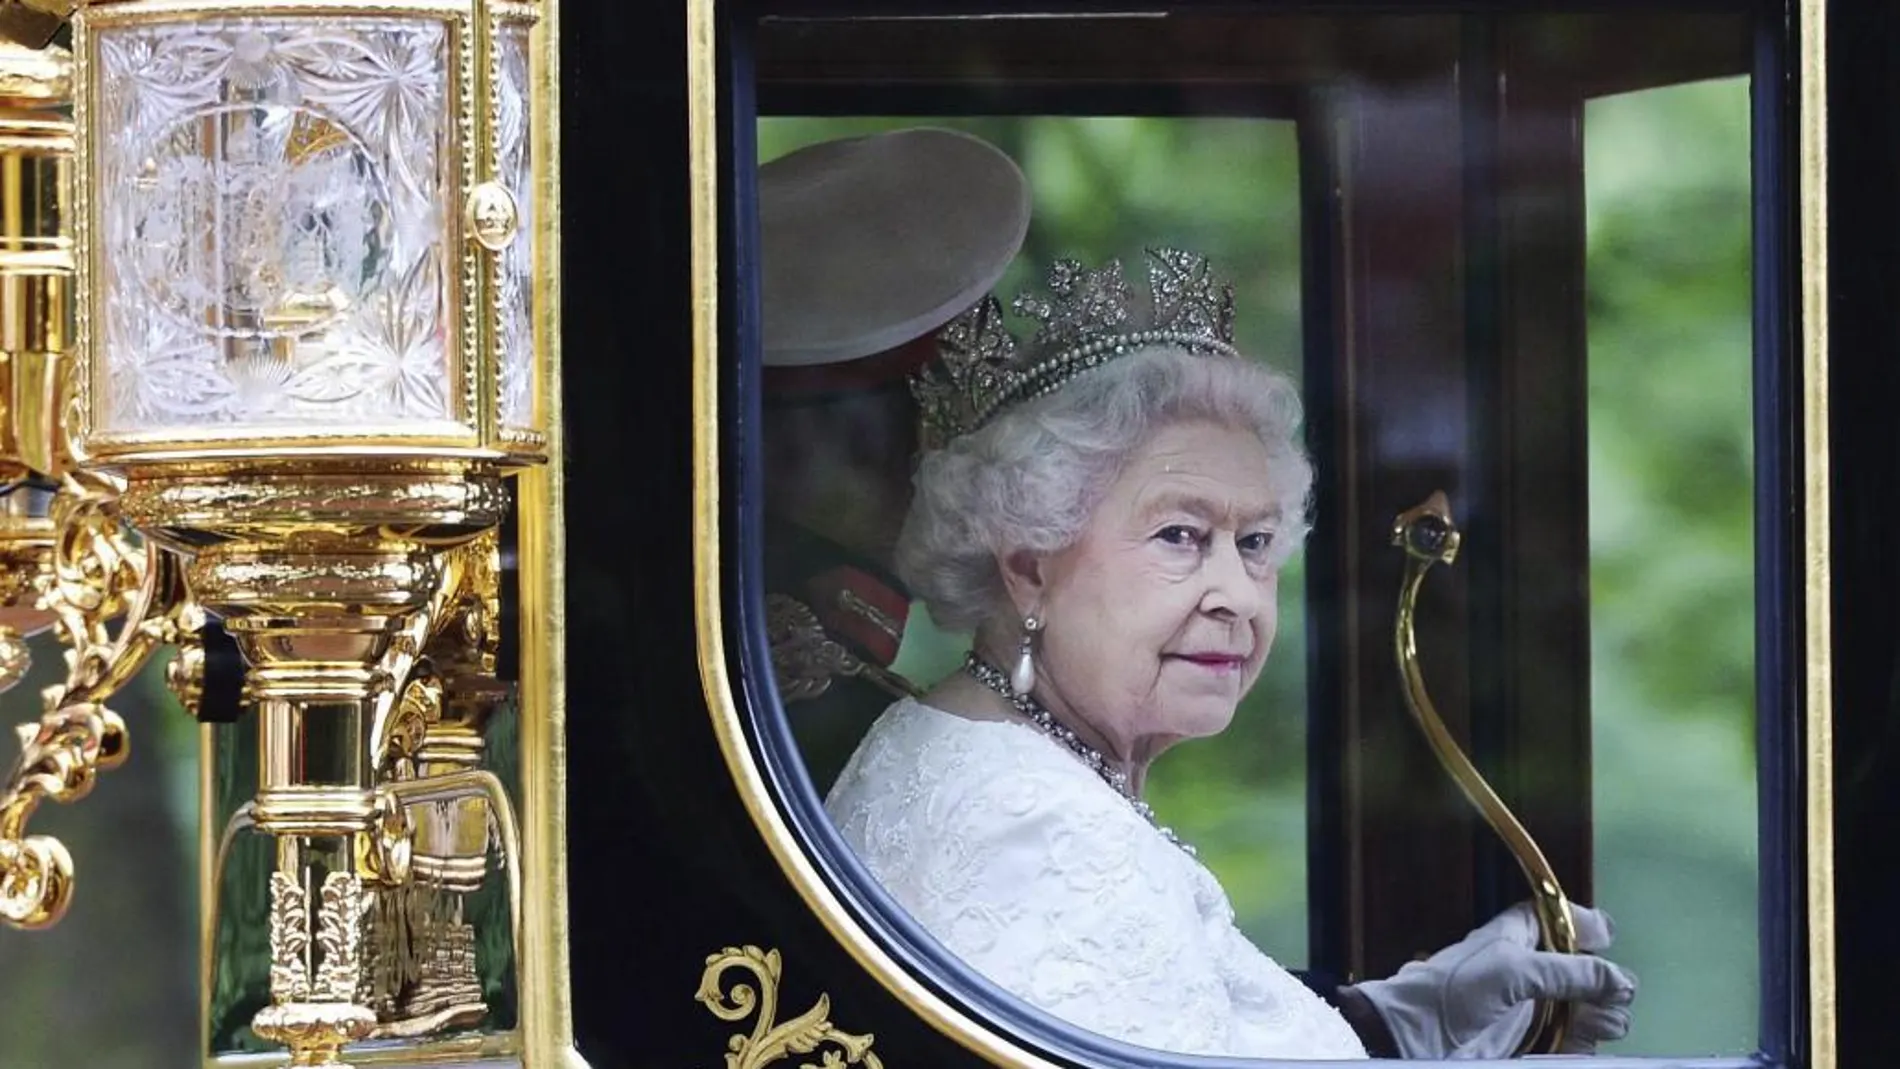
x=1216, y=661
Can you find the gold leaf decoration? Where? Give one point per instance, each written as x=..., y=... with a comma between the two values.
x=770, y=1041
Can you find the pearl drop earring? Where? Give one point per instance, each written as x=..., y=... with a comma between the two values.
x=1023, y=679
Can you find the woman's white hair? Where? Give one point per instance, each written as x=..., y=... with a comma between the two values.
x=1032, y=479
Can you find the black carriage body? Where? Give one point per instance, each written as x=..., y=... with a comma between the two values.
x=667, y=859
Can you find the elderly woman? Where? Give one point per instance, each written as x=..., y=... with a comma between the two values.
x=1107, y=509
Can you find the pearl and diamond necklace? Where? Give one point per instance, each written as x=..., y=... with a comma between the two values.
x=993, y=678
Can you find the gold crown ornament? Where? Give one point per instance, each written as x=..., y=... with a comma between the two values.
x=1090, y=317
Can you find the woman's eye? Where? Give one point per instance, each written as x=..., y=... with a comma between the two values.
x=1179, y=535
x=1256, y=544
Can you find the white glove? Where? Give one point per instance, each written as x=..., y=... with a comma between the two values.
x=1476, y=999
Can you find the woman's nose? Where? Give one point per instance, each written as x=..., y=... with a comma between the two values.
x=1230, y=587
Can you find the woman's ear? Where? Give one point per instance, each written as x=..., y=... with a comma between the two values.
x=1023, y=579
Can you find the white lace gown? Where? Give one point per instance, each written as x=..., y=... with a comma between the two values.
x=1029, y=867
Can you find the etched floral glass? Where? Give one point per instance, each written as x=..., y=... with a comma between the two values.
x=270, y=225
x=514, y=138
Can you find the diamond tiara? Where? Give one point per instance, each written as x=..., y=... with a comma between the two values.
x=1089, y=318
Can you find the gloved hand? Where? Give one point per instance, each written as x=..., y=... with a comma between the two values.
x=1476, y=998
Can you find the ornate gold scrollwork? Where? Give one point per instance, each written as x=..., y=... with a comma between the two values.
x=1428, y=536
x=26, y=562
x=320, y=1001
x=770, y=1041
x=99, y=571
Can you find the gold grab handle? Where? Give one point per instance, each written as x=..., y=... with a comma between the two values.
x=1428, y=536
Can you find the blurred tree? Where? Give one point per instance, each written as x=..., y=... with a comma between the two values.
x=1672, y=557
x=115, y=984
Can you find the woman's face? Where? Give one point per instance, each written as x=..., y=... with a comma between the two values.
x=1158, y=620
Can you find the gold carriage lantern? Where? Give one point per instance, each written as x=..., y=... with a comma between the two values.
x=310, y=314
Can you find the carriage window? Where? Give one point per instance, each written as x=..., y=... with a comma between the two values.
x=1034, y=310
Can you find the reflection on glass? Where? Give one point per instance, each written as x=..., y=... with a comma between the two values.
x=1227, y=188
x=1671, y=556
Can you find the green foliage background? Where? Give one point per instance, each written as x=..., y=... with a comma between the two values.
x=115, y=984
x=115, y=987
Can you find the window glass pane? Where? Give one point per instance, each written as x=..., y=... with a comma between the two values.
x=1672, y=557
